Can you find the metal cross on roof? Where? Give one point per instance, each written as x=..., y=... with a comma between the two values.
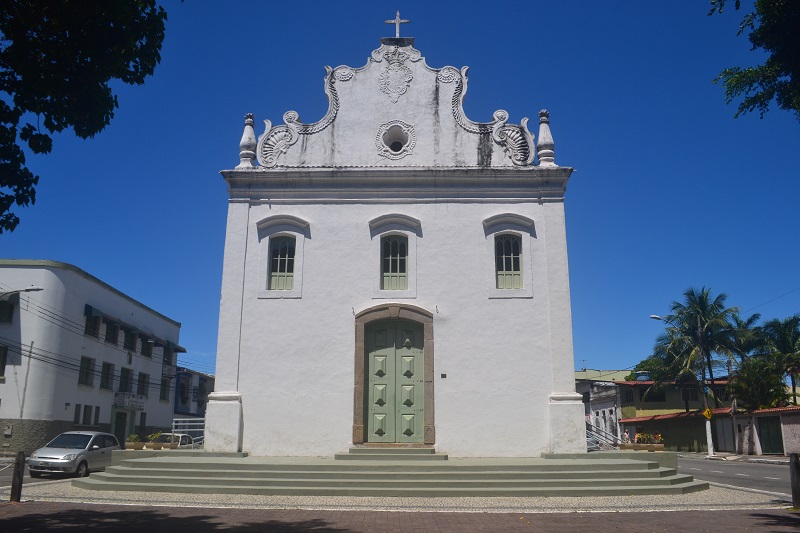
x=397, y=21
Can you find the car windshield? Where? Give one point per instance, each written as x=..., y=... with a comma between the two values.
x=66, y=440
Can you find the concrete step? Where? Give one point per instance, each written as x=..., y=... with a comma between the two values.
x=368, y=450
x=403, y=474
x=325, y=464
x=612, y=489
x=390, y=453
x=375, y=473
x=376, y=483
x=376, y=456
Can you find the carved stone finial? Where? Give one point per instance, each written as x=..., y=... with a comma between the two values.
x=247, y=146
x=545, y=148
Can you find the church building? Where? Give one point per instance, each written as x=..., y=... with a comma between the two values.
x=395, y=274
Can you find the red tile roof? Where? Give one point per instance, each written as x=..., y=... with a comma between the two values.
x=789, y=409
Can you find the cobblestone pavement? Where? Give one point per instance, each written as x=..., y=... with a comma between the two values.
x=56, y=505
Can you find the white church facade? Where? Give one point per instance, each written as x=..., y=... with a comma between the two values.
x=396, y=274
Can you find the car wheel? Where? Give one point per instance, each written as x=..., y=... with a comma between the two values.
x=82, y=470
x=35, y=474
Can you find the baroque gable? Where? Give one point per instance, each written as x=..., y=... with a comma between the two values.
x=396, y=111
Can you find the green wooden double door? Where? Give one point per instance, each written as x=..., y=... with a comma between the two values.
x=394, y=381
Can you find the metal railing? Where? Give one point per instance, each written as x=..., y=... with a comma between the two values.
x=599, y=439
x=195, y=427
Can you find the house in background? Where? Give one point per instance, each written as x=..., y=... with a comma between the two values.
x=76, y=353
x=676, y=413
x=601, y=398
x=773, y=431
x=191, y=392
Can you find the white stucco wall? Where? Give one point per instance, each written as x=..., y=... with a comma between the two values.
x=503, y=357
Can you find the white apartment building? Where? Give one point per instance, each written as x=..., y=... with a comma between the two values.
x=76, y=353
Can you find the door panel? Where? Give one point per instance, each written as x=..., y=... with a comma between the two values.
x=394, y=382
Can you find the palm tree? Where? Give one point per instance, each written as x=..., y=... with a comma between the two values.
x=747, y=339
x=700, y=328
x=758, y=384
x=783, y=341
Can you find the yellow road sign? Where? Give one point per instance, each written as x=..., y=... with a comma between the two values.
x=707, y=413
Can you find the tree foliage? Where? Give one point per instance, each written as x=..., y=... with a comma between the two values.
x=782, y=339
x=56, y=61
x=758, y=384
x=699, y=330
x=702, y=334
x=774, y=27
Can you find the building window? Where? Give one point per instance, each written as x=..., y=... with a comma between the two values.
x=394, y=263
x=164, y=394
x=655, y=395
x=689, y=395
x=86, y=373
x=143, y=384
x=107, y=376
x=125, y=380
x=6, y=311
x=97, y=415
x=92, y=326
x=508, y=261
x=147, y=347
x=112, y=333
x=3, y=360
x=281, y=264
x=130, y=340
x=169, y=356
x=77, y=418
x=87, y=415
x=510, y=243
x=629, y=396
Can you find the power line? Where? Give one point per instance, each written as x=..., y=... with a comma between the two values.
x=772, y=300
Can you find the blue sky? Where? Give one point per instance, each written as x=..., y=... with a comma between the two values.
x=670, y=191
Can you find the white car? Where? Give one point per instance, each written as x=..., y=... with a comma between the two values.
x=74, y=452
x=181, y=439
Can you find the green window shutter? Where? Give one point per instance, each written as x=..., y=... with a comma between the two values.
x=394, y=263
x=281, y=264
x=508, y=261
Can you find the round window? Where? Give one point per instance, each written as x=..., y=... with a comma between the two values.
x=395, y=138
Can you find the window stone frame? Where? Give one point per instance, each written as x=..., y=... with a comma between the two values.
x=519, y=226
x=274, y=227
x=386, y=226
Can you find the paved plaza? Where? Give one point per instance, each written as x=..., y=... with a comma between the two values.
x=56, y=505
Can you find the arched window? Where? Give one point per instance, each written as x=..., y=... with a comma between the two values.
x=508, y=261
x=394, y=263
x=281, y=240
x=281, y=264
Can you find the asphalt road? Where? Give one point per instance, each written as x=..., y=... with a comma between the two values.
x=739, y=473
x=6, y=475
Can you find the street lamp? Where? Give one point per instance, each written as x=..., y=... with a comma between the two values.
x=32, y=288
x=709, y=440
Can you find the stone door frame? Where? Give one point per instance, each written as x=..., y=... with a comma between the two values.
x=393, y=311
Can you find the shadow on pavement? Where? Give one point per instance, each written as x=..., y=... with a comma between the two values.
x=770, y=521
x=141, y=519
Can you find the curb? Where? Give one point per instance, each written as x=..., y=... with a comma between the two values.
x=770, y=461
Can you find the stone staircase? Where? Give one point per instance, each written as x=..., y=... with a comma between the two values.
x=393, y=472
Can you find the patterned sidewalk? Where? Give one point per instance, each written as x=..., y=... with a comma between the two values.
x=100, y=518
